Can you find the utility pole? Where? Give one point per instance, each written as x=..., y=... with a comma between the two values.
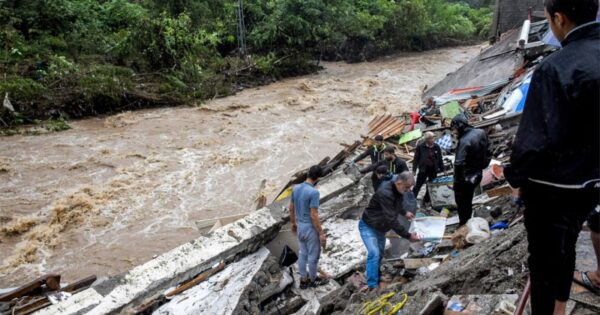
x=241, y=29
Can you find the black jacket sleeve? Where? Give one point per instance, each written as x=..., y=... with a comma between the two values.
x=370, y=168
x=533, y=135
x=416, y=159
x=400, y=165
x=460, y=159
x=391, y=215
x=438, y=161
x=363, y=155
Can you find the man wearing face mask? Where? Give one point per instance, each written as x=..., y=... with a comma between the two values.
x=380, y=216
x=556, y=168
x=472, y=156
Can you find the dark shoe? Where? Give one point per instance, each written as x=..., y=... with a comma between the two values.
x=304, y=284
x=319, y=282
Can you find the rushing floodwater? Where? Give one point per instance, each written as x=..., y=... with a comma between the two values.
x=113, y=192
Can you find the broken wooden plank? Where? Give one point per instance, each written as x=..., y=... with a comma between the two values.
x=388, y=121
x=416, y=263
x=44, y=302
x=499, y=191
x=261, y=198
x=203, y=276
x=203, y=224
x=51, y=281
x=393, y=126
x=378, y=122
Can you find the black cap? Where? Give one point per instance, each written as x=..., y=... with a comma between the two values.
x=378, y=138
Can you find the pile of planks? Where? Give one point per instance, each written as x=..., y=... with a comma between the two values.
x=385, y=125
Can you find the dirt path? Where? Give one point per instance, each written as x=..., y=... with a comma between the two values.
x=112, y=192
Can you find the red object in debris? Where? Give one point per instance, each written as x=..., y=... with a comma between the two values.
x=414, y=118
x=465, y=90
x=498, y=171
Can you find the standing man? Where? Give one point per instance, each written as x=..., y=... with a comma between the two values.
x=394, y=164
x=555, y=157
x=472, y=156
x=307, y=225
x=375, y=151
x=428, y=160
x=430, y=109
x=380, y=216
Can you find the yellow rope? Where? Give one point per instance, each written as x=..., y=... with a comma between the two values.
x=398, y=306
x=379, y=305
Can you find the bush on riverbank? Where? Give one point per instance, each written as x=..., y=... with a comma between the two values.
x=76, y=58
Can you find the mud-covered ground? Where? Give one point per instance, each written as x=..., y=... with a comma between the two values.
x=112, y=192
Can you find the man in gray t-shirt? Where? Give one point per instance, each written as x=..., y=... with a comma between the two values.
x=307, y=225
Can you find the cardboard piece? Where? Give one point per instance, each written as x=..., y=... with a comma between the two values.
x=429, y=228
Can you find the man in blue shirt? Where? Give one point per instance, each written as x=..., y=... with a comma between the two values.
x=307, y=225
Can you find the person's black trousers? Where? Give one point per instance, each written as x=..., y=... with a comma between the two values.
x=553, y=219
x=463, y=195
x=422, y=177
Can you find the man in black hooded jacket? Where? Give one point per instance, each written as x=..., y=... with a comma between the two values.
x=472, y=156
x=555, y=157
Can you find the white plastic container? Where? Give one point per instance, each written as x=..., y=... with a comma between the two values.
x=479, y=230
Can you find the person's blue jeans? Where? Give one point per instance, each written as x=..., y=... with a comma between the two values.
x=375, y=243
x=310, y=250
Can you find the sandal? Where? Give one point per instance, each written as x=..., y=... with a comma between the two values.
x=587, y=283
x=319, y=282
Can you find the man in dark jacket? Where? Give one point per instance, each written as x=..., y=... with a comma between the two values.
x=428, y=160
x=555, y=159
x=375, y=151
x=471, y=158
x=381, y=175
x=380, y=216
x=395, y=164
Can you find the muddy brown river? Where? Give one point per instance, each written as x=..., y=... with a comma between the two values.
x=113, y=192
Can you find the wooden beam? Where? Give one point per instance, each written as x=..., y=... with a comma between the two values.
x=200, y=278
x=52, y=282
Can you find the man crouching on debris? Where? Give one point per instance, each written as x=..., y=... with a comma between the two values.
x=380, y=216
x=555, y=157
x=307, y=225
x=472, y=156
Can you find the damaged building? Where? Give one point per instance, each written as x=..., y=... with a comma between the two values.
x=245, y=264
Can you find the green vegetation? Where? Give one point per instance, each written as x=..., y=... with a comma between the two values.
x=75, y=58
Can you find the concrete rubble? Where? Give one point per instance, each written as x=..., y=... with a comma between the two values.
x=122, y=294
x=254, y=282
x=221, y=293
